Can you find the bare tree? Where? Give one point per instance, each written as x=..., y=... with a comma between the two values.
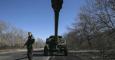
x=96, y=25
x=13, y=37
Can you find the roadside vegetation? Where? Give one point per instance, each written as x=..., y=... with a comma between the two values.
x=12, y=37
x=95, y=28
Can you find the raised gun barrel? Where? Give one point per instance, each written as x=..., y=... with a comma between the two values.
x=56, y=5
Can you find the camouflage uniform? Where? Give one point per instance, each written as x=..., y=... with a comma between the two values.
x=29, y=44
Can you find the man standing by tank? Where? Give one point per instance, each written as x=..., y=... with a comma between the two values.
x=29, y=46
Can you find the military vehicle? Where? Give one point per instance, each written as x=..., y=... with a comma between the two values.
x=53, y=46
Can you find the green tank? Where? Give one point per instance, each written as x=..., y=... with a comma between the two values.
x=55, y=46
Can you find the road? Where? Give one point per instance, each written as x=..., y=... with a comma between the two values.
x=38, y=55
x=21, y=55
x=77, y=55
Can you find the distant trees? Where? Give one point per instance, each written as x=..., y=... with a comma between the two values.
x=96, y=26
x=39, y=43
x=12, y=37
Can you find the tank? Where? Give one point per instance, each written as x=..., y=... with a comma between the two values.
x=55, y=46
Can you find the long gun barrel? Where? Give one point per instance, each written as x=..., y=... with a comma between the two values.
x=56, y=5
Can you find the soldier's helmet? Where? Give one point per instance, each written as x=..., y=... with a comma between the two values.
x=29, y=33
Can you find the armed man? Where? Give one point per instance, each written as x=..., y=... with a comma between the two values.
x=29, y=46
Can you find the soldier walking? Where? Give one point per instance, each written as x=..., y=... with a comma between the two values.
x=29, y=46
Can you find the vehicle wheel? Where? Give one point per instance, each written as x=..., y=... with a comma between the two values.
x=45, y=51
x=65, y=52
x=51, y=53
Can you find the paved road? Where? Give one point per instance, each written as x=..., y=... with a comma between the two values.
x=72, y=56
x=65, y=58
x=37, y=55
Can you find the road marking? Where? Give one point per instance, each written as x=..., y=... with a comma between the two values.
x=52, y=57
x=48, y=58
